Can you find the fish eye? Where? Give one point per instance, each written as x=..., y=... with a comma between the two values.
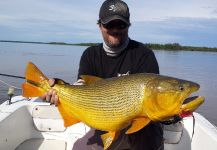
x=181, y=88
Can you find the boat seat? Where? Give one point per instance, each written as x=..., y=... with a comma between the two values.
x=42, y=144
x=173, y=133
x=47, y=118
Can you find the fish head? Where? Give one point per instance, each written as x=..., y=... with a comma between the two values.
x=165, y=96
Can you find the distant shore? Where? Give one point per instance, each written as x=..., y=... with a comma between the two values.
x=170, y=46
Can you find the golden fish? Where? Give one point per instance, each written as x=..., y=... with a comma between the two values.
x=116, y=103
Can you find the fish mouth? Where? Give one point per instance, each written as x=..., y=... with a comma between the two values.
x=190, y=104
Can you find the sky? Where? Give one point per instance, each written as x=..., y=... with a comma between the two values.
x=187, y=22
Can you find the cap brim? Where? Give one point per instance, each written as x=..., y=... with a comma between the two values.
x=115, y=17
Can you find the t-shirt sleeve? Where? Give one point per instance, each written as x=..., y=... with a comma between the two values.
x=84, y=65
x=147, y=63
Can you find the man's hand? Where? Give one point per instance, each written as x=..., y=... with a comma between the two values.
x=51, y=96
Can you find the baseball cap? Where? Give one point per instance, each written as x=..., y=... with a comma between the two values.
x=112, y=10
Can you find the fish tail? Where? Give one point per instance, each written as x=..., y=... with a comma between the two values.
x=36, y=82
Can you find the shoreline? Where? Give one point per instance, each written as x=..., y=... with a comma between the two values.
x=169, y=46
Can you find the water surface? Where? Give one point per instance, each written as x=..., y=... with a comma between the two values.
x=62, y=62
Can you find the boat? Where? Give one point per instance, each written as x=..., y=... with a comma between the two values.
x=31, y=124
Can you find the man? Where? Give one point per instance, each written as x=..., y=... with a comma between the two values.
x=118, y=55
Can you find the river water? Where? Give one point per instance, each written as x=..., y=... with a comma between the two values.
x=62, y=62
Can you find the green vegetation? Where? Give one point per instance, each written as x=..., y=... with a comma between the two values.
x=22, y=42
x=86, y=44
x=170, y=46
x=176, y=46
x=73, y=44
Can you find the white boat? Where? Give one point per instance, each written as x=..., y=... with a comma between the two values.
x=36, y=125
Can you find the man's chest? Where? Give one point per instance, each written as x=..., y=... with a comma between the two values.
x=112, y=67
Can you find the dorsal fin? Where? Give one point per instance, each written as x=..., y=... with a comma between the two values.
x=90, y=79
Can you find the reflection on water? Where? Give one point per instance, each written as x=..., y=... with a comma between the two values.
x=62, y=62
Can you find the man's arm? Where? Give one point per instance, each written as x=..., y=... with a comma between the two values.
x=148, y=63
x=85, y=64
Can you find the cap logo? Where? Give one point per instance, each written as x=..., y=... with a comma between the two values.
x=112, y=8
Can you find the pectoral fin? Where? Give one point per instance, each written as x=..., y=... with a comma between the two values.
x=108, y=138
x=138, y=124
x=68, y=120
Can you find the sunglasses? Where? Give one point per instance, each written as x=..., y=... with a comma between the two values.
x=115, y=25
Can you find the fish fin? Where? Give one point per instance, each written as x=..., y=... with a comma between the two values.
x=90, y=79
x=68, y=120
x=108, y=138
x=60, y=81
x=34, y=74
x=30, y=90
x=34, y=78
x=138, y=124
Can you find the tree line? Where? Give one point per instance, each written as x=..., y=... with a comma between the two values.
x=169, y=46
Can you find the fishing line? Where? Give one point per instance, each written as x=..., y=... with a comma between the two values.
x=9, y=85
x=12, y=76
x=193, y=127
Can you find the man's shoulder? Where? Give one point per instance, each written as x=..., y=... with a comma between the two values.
x=139, y=47
x=92, y=50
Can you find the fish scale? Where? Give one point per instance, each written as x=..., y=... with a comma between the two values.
x=93, y=101
x=85, y=100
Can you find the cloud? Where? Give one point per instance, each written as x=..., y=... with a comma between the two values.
x=182, y=21
x=215, y=11
x=47, y=20
x=186, y=31
x=14, y=12
x=158, y=9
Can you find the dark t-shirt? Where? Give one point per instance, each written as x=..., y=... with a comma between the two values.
x=136, y=58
